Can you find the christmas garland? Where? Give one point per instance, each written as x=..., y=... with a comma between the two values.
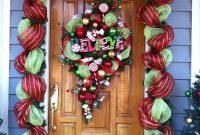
x=31, y=63
x=193, y=116
x=154, y=113
x=96, y=45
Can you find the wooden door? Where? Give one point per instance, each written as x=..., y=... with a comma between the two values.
x=118, y=114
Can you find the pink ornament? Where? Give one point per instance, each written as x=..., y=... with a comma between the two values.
x=103, y=8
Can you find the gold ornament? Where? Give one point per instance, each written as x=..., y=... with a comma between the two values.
x=111, y=54
x=84, y=89
x=95, y=25
x=189, y=120
x=85, y=21
x=101, y=73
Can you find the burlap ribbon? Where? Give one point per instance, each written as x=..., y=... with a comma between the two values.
x=34, y=86
x=32, y=37
x=35, y=9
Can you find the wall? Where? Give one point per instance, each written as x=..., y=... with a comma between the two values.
x=180, y=19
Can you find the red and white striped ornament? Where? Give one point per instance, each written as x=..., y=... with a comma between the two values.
x=93, y=67
x=76, y=48
x=103, y=8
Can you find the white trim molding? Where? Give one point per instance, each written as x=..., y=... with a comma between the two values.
x=46, y=75
x=195, y=54
x=4, y=58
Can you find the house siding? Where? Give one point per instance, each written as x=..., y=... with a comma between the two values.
x=180, y=19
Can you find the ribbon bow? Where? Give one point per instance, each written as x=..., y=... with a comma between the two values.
x=22, y=109
x=157, y=61
x=153, y=112
x=20, y=62
x=32, y=37
x=29, y=62
x=163, y=40
x=35, y=9
x=34, y=86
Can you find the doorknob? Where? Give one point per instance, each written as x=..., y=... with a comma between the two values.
x=54, y=103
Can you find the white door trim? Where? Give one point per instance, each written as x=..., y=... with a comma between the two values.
x=47, y=59
x=195, y=50
x=4, y=58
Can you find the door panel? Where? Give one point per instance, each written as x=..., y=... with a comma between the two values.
x=118, y=114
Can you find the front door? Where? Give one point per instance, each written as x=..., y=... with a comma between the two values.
x=118, y=114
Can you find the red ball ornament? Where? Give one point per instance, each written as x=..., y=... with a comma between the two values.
x=94, y=5
x=87, y=83
x=113, y=8
x=80, y=32
x=96, y=18
x=94, y=96
x=71, y=66
x=107, y=64
x=104, y=26
x=81, y=97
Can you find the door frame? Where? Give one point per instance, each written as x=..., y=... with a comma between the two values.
x=139, y=44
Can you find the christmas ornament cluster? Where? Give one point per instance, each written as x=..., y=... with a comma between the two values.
x=97, y=46
x=193, y=113
x=154, y=112
x=31, y=90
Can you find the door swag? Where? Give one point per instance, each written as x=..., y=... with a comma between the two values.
x=97, y=46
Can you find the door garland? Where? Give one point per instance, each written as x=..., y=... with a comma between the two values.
x=154, y=113
x=97, y=47
x=31, y=62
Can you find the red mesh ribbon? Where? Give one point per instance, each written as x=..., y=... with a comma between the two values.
x=149, y=15
x=146, y=120
x=162, y=85
x=161, y=2
x=32, y=37
x=37, y=130
x=153, y=61
x=35, y=9
x=20, y=62
x=167, y=130
x=34, y=86
x=163, y=40
x=22, y=109
x=64, y=42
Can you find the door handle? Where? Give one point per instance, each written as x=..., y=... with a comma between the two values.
x=54, y=103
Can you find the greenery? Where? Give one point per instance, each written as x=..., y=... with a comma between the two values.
x=193, y=114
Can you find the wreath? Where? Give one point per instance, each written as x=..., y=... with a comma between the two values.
x=97, y=46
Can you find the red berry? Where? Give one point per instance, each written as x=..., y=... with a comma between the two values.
x=94, y=96
x=80, y=32
x=113, y=8
x=81, y=97
x=107, y=64
x=198, y=93
x=87, y=83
